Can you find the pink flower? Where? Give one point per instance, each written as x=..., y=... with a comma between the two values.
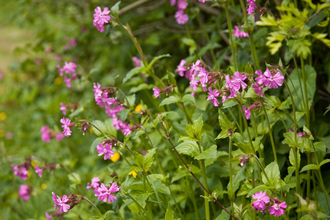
x=55, y=200
x=39, y=171
x=300, y=134
x=258, y=89
x=195, y=67
x=243, y=159
x=203, y=75
x=156, y=92
x=181, y=68
x=66, y=126
x=69, y=67
x=261, y=200
x=136, y=61
x=20, y=173
x=67, y=81
x=106, y=150
x=212, y=96
x=24, y=192
x=182, y=4
x=63, y=108
x=95, y=183
x=247, y=112
x=125, y=129
x=97, y=90
x=173, y=2
x=62, y=203
x=101, y=18
x=261, y=78
x=193, y=84
x=238, y=81
x=180, y=17
x=238, y=33
x=60, y=70
x=251, y=7
x=105, y=193
x=104, y=100
x=273, y=80
x=48, y=217
x=277, y=209
x=59, y=136
x=45, y=133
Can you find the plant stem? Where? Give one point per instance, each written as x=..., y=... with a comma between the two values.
x=305, y=88
x=194, y=200
x=238, y=125
x=231, y=174
x=247, y=129
x=98, y=211
x=270, y=132
x=230, y=28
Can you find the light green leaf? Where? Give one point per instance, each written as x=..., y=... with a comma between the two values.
x=309, y=167
x=115, y=10
x=169, y=100
x=257, y=189
x=149, y=158
x=157, y=58
x=267, y=21
x=189, y=148
x=324, y=162
x=74, y=178
x=224, y=121
x=140, y=87
x=189, y=98
x=273, y=172
x=292, y=157
x=319, y=146
x=191, y=43
x=223, y=134
x=101, y=127
x=169, y=214
x=210, y=153
x=133, y=72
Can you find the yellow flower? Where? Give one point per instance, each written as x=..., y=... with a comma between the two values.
x=138, y=108
x=33, y=163
x=43, y=186
x=58, y=80
x=115, y=157
x=3, y=116
x=133, y=173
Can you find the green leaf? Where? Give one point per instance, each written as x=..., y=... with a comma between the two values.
x=224, y=121
x=257, y=189
x=324, y=162
x=319, y=146
x=101, y=127
x=110, y=129
x=292, y=157
x=290, y=139
x=141, y=198
x=169, y=100
x=182, y=172
x=210, y=153
x=236, y=182
x=224, y=215
x=274, y=41
x=169, y=214
x=249, y=69
x=115, y=10
x=149, y=158
x=74, y=178
x=189, y=98
x=267, y=21
x=133, y=72
x=73, y=189
x=191, y=43
x=171, y=115
x=273, y=172
x=140, y=87
x=309, y=167
x=171, y=78
x=189, y=148
x=196, y=129
x=223, y=134
x=300, y=47
x=139, y=159
x=157, y=58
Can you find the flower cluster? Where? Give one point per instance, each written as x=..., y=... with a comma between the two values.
x=69, y=69
x=95, y=183
x=21, y=170
x=104, y=193
x=241, y=33
x=66, y=126
x=180, y=16
x=64, y=201
x=252, y=6
x=263, y=202
x=103, y=99
x=47, y=134
x=101, y=18
x=137, y=61
x=24, y=192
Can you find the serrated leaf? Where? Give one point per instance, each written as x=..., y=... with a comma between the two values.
x=189, y=148
x=309, y=167
x=267, y=21
x=210, y=153
x=224, y=121
x=169, y=100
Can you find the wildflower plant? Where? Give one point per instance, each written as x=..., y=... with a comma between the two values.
x=174, y=110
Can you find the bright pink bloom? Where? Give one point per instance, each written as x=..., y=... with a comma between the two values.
x=156, y=92
x=95, y=183
x=273, y=80
x=66, y=126
x=103, y=100
x=180, y=17
x=203, y=1
x=277, y=209
x=39, y=171
x=241, y=33
x=20, y=173
x=62, y=203
x=63, y=108
x=261, y=200
x=67, y=81
x=181, y=68
x=101, y=18
x=243, y=159
x=55, y=200
x=60, y=70
x=173, y=2
x=182, y=4
x=195, y=67
x=59, y=136
x=24, y=192
x=238, y=81
x=261, y=78
x=136, y=61
x=125, y=129
x=97, y=90
x=69, y=67
x=212, y=96
x=247, y=112
x=105, y=193
x=45, y=133
x=48, y=217
x=106, y=150
x=252, y=7
x=300, y=134
x=258, y=89
x=203, y=75
x=193, y=83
